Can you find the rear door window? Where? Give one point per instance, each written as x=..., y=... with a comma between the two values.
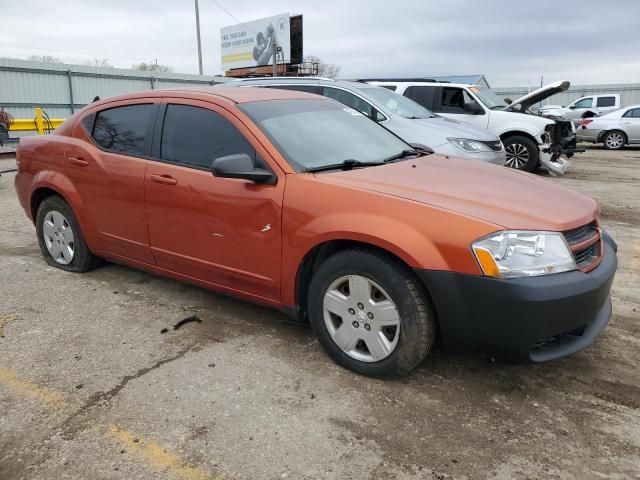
x=123, y=129
x=606, y=101
x=194, y=137
x=423, y=95
x=349, y=99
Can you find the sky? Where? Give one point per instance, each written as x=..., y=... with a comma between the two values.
x=512, y=42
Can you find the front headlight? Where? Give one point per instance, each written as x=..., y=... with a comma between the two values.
x=523, y=254
x=469, y=145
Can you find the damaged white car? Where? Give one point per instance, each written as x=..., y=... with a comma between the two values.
x=529, y=140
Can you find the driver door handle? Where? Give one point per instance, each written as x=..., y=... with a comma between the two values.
x=164, y=179
x=79, y=161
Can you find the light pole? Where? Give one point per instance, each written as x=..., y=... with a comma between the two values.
x=198, y=34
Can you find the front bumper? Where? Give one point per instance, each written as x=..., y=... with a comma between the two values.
x=526, y=319
x=495, y=157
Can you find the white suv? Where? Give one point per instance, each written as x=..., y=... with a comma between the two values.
x=529, y=139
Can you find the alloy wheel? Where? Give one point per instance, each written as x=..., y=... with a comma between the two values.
x=517, y=156
x=361, y=318
x=614, y=140
x=58, y=237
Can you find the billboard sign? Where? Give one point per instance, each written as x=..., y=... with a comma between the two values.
x=250, y=44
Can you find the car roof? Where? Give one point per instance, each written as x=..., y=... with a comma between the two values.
x=297, y=80
x=429, y=83
x=356, y=87
x=232, y=94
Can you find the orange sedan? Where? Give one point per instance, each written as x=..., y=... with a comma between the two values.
x=297, y=202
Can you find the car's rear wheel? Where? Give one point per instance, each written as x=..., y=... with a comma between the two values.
x=614, y=140
x=60, y=237
x=522, y=153
x=370, y=313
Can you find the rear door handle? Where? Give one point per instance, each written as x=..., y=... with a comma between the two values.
x=164, y=179
x=79, y=161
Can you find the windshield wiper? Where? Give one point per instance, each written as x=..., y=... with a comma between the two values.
x=347, y=164
x=402, y=154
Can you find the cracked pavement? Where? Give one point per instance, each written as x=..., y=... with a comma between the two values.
x=91, y=388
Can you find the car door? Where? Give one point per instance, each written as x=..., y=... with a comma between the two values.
x=226, y=232
x=106, y=167
x=457, y=103
x=577, y=109
x=630, y=123
x=424, y=95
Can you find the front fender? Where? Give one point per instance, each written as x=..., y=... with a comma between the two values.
x=396, y=237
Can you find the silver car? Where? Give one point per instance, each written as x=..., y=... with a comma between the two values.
x=614, y=130
x=401, y=115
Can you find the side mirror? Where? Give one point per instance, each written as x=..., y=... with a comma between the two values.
x=241, y=166
x=572, y=107
x=473, y=108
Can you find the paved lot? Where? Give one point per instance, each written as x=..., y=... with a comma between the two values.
x=91, y=388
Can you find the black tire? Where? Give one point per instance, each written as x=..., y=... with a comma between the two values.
x=515, y=146
x=83, y=260
x=610, y=144
x=417, y=331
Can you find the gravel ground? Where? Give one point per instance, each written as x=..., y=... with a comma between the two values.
x=90, y=387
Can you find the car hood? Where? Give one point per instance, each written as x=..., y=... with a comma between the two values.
x=495, y=194
x=523, y=103
x=446, y=128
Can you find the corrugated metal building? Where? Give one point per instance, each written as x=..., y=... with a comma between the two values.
x=629, y=93
x=60, y=88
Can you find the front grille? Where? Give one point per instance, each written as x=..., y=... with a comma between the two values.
x=495, y=146
x=584, y=243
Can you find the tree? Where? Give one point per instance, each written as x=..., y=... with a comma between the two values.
x=329, y=70
x=99, y=62
x=152, y=67
x=45, y=59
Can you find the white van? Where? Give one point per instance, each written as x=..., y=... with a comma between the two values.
x=529, y=139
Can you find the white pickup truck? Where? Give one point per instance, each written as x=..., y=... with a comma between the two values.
x=583, y=107
x=529, y=140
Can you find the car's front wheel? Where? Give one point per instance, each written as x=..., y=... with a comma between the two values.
x=60, y=237
x=522, y=153
x=370, y=314
x=614, y=140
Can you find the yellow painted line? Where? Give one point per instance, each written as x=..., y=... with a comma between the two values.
x=5, y=320
x=29, y=389
x=152, y=453
x=157, y=457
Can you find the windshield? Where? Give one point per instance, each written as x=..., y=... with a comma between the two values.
x=398, y=104
x=488, y=97
x=315, y=133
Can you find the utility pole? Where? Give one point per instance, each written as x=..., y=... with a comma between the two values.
x=198, y=33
